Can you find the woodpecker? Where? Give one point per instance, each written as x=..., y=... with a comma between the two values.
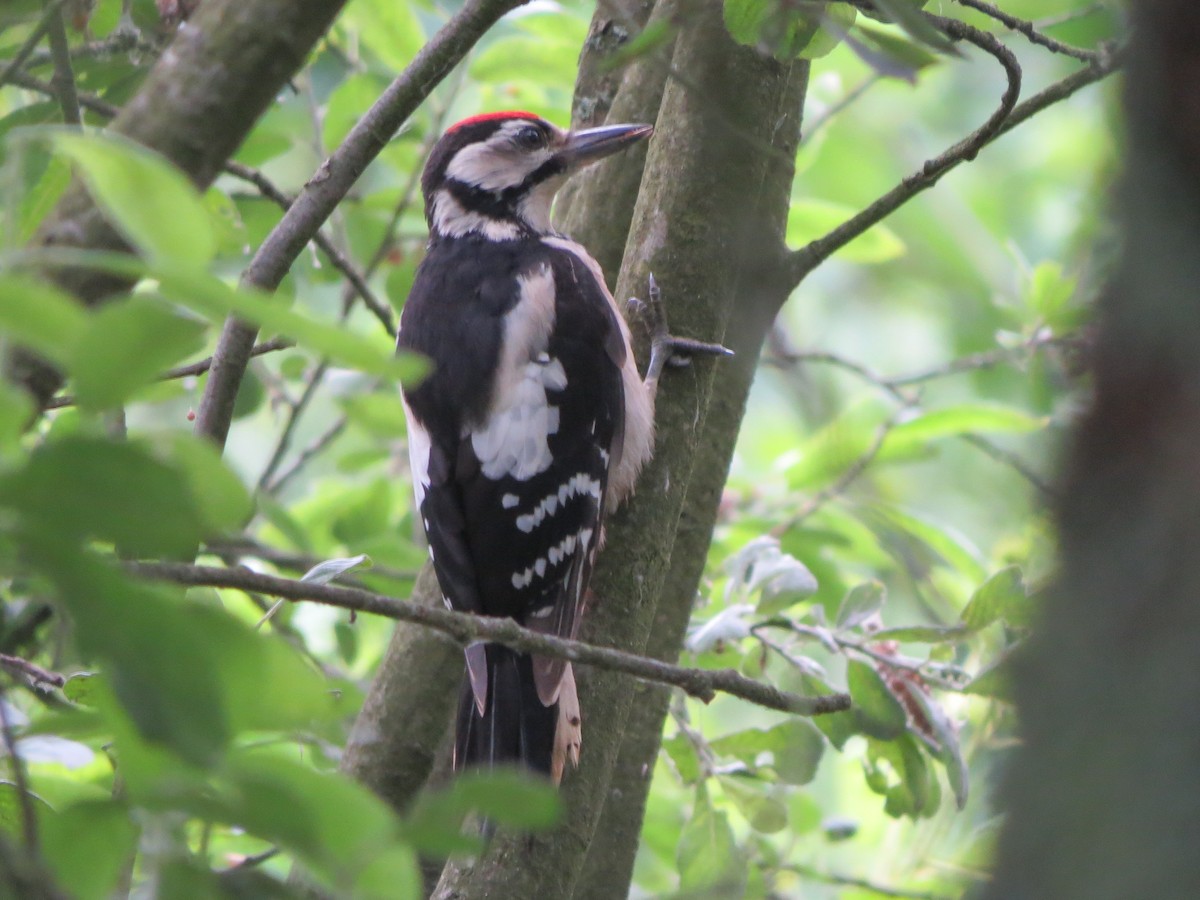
x=533, y=424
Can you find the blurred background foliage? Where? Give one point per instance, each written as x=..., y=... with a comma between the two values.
x=882, y=528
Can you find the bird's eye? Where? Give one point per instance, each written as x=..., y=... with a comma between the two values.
x=530, y=138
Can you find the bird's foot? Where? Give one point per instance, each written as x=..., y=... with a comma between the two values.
x=667, y=349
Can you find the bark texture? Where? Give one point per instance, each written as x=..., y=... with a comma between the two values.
x=708, y=223
x=1102, y=796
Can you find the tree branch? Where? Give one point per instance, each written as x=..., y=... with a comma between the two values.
x=14, y=66
x=1030, y=31
x=465, y=629
x=332, y=180
x=801, y=262
x=64, y=76
x=32, y=671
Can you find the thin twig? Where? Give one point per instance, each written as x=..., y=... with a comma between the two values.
x=801, y=262
x=191, y=369
x=121, y=41
x=987, y=359
x=849, y=475
x=29, y=830
x=861, y=883
x=465, y=629
x=63, y=79
x=1029, y=30
x=357, y=280
x=14, y=66
x=306, y=456
x=939, y=675
x=32, y=671
x=284, y=441
x=234, y=549
x=816, y=123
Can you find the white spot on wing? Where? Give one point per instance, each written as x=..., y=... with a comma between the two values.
x=508, y=501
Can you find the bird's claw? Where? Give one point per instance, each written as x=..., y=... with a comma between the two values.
x=666, y=348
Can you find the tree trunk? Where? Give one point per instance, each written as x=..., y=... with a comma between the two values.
x=1102, y=796
x=709, y=223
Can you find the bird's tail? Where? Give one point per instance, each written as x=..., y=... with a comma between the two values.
x=510, y=725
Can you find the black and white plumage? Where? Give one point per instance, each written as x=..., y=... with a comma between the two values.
x=533, y=424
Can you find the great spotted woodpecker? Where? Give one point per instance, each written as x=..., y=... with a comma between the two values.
x=533, y=424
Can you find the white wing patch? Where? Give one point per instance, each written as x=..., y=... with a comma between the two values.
x=513, y=439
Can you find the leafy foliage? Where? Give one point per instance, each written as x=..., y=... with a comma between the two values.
x=881, y=533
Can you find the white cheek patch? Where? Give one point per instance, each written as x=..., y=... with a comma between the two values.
x=495, y=164
x=452, y=220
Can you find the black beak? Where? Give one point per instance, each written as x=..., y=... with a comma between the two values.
x=583, y=147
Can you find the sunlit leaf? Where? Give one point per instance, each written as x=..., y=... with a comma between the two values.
x=861, y=603
x=708, y=855
x=88, y=845
x=128, y=344
x=325, y=572
x=876, y=709
x=149, y=200
x=1002, y=596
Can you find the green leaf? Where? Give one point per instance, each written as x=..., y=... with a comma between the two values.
x=683, y=755
x=380, y=414
x=166, y=679
x=509, y=798
x=337, y=826
x=765, y=812
x=325, y=572
x=860, y=603
x=915, y=434
x=128, y=344
x=10, y=806
x=994, y=681
x=708, y=856
x=897, y=770
x=81, y=688
x=877, y=711
x=907, y=14
x=150, y=201
x=266, y=684
x=908, y=53
x=794, y=749
x=118, y=492
x=785, y=31
x=88, y=845
x=1000, y=597
x=391, y=30
x=922, y=634
x=41, y=317
x=217, y=300
x=949, y=750
x=809, y=219
x=1050, y=293
x=512, y=58
x=222, y=500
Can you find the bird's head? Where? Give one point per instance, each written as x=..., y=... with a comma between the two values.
x=496, y=174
